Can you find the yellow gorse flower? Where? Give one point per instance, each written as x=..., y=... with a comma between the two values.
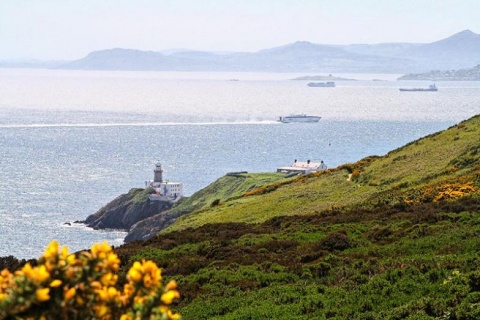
x=83, y=286
x=42, y=294
x=51, y=251
x=169, y=296
x=56, y=283
x=70, y=293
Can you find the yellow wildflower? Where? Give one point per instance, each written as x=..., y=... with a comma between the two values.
x=112, y=292
x=64, y=253
x=149, y=266
x=51, y=251
x=128, y=289
x=102, y=294
x=56, y=283
x=126, y=317
x=71, y=259
x=41, y=274
x=173, y=316
x=108, y=279
x=147, y=280
x=27, y=270
x=171, y=285
x=71, y=273
x=99, y=250
x=101, y=310
x=135, y=272
x=80, y=301
x=95, y=285
x=5, y=273
x=70, y=293
x=169, y=296
x=113, y=261
x=42, y=294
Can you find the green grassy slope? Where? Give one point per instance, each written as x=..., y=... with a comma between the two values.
x=402, y=175
x=398, y=239
x=228, y=187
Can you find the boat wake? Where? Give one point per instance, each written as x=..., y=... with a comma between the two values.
x=133, y=124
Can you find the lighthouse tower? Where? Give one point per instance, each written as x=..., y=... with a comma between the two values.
x=158, y=173
x=164, y=190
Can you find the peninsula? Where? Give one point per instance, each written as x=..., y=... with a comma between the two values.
x=472, y=74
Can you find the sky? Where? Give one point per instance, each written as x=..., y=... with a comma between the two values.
x=70, y=29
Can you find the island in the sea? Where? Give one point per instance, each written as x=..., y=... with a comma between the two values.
x=472, y=74
x=323, y=78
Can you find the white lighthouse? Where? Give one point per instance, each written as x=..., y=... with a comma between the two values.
x=164, y=190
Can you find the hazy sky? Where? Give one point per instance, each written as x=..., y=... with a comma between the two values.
x=70, y=29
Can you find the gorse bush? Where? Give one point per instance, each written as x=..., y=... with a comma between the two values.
x=83, y=286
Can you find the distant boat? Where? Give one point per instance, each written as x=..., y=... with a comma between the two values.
x=328, y=84
x=303, y=118
x=431, y=87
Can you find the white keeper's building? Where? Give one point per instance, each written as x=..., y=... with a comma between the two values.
x=302, y=167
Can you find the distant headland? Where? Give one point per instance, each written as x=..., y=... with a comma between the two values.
x=472, y=74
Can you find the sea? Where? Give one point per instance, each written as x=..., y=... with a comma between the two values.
x=71, y=141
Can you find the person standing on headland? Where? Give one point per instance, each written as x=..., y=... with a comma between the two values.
x=322, y=166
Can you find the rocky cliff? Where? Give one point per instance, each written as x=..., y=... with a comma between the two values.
x=147, y=228
x=126, y=210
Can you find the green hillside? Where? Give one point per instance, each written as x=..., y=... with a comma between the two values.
x=391, y=237
x=402, y=176
x=231, y=186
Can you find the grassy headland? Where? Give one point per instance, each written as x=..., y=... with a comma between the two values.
x=390, y=237
x=438, y=164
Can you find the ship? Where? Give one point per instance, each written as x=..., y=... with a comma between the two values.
x=303, y=118
x=431, y=87
x=328, y=84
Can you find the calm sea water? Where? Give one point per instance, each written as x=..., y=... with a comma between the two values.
x=71, y=141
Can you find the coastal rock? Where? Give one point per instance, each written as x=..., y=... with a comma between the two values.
x=126, y=210
x=11, y=263
x=146, y=229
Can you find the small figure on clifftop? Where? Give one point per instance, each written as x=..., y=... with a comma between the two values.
x=323, y=166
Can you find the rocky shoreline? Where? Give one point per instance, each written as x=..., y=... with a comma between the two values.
x=125, y=211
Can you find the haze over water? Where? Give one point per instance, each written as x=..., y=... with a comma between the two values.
x=71, y=141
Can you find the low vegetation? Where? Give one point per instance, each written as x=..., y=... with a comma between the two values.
x=418, y=262
x=84, y=286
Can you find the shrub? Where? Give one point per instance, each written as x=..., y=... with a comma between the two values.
x=215, y=203
x=334, y=241
x=83, y=286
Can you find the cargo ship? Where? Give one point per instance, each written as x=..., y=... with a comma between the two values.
x=431, y=87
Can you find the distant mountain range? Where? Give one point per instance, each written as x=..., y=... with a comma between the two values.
x=461, y=50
